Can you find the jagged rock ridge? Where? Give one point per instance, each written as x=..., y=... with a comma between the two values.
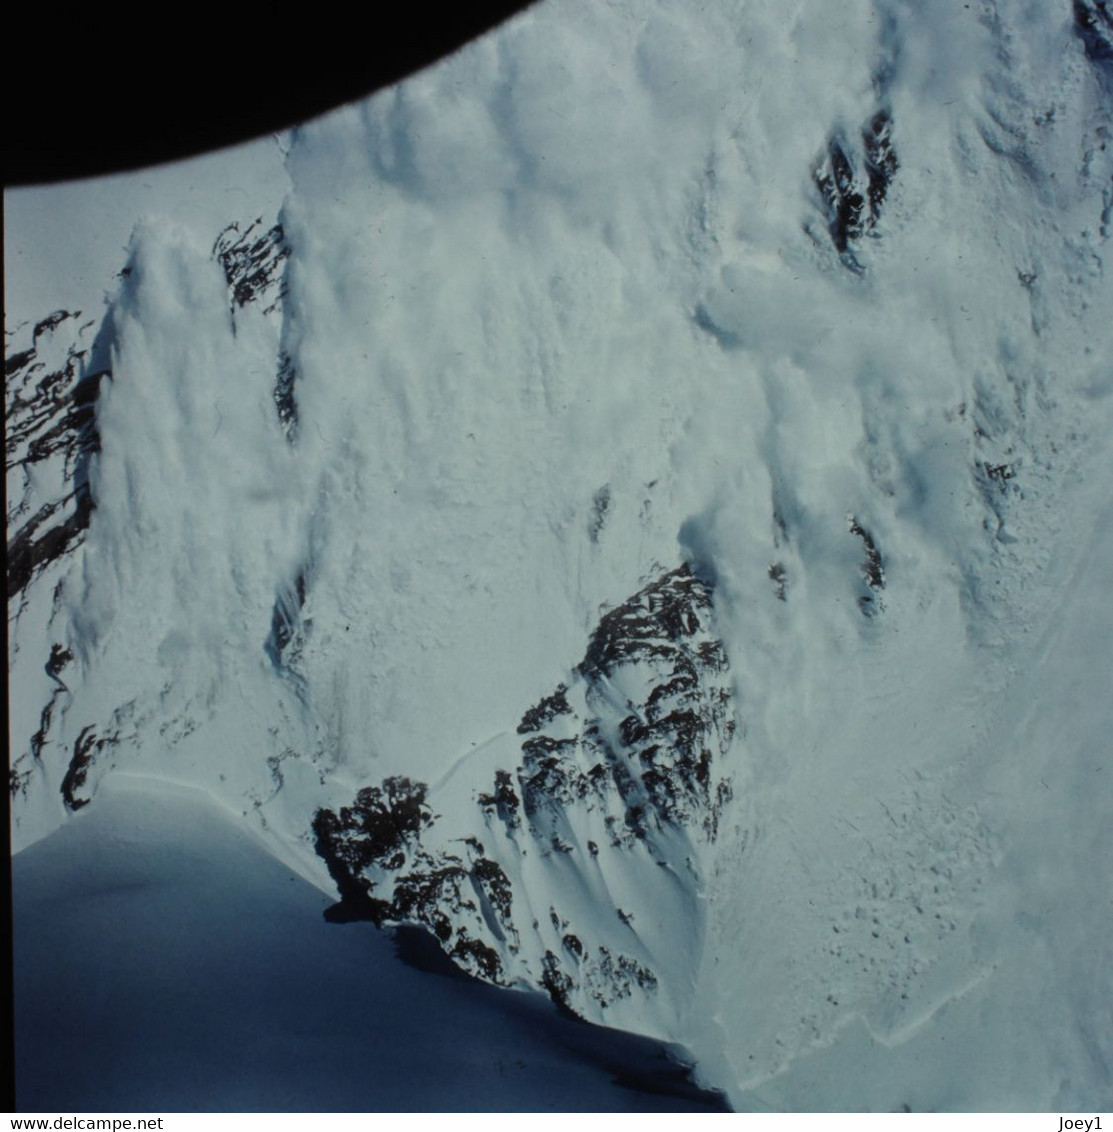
x=872, y=569
x=253, y=264
x=617, y=773
x=51, y=434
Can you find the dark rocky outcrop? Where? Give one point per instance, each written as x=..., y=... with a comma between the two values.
x=854, y=179
x=545, y=711
x=87, y=746
x=253, y=260
x=873, y=571
x=377, y=839
x=779, y=577
x=51, y=434
x=285, y=400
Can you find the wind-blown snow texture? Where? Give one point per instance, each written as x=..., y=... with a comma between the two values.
x=803, y=306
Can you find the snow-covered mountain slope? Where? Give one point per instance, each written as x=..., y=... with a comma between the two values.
x=760, y=357
x=953, y=955
x=192, y=972
x=595, y=825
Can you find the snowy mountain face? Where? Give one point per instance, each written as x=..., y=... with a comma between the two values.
x=596, y=821
x=637, y=510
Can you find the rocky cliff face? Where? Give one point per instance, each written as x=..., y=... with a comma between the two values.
x=51, y=391
x=567, y=857
x=51, y=436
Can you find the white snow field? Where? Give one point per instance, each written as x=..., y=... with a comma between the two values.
x=678, y=440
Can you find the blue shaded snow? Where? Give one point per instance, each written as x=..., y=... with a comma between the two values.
x=164, y=960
